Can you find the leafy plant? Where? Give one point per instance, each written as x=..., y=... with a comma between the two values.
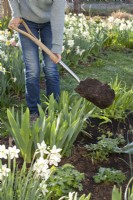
x=122, y=103
x=129, y=190
x=64, y=179
x=105, y=146
x=61, y=127
x=40, y=179
x=109, y=175
x=64, y=122
x=116, y=193
x=26, y=183
x=128, y=194
x=20, y=186
x=128, y=148
x=11, y=67
x=21, y=131
x=74, y=196
x=4, y=23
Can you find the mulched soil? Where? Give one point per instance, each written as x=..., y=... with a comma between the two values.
x=82, y=162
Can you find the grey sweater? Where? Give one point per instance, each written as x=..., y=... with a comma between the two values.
x=41, y=11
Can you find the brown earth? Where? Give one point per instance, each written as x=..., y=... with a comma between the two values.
x=100, y=94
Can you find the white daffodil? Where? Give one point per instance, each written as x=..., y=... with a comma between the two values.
x=14, y=79
x=72, y=195
x=41, y=168
x=123, y=27
x=44, y=175
x=43, y=187
x=117, y=22
x=41, y=165
x=42, y=148
x=55, y=150
x=3, y=151
x=54, y=156
x=2, y=38
x=111, y=19
x=54, y=159
x=2, y=69
x=13, y=152
x=1, y=177
x=129, y=25
x=4, y=171
x=77, y=50
x=70, y=43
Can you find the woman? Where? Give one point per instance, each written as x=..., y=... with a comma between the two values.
x=45, y=18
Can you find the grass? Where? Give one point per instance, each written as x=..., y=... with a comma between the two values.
x=106, y=68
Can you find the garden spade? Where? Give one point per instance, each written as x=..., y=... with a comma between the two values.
x=100, y=94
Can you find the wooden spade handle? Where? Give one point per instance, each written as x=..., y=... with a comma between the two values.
x=30, y=35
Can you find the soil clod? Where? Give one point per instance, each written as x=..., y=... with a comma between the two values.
x=100, y=94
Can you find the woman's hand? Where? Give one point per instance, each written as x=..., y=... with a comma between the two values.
x=58, y=56
x=14, y=22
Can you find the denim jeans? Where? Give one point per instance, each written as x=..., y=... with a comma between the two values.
x=32, y=65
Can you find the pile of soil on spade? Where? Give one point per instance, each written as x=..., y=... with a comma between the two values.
x=100, y=94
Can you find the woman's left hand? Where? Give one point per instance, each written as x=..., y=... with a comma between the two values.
x=58, y=58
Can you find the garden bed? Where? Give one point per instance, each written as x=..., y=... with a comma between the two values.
x=80, y=159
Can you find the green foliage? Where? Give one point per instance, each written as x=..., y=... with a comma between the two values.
x=64, y=179
x=12, y=77
x=11, y=65
x=105, y=145
x=122, y=103
x=21, y=131
x=128, y=193
x=61, y=127
x=107, y=175
x=21, y=185
x=30, y=182
x=116, y=193
x=4, y=23
x=74, y=196
x=126, y=149
x=64, y=122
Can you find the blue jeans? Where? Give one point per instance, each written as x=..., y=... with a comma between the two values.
x=32, y=65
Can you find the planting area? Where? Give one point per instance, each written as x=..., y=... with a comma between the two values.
x=75, y=149
x=90, y=165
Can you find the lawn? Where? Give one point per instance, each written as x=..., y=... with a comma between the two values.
x=106, y=67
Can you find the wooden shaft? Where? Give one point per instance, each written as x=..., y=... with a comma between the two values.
x=30, y=35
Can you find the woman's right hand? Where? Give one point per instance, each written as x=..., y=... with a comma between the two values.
x=14, y=22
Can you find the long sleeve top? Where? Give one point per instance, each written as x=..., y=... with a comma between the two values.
x=41, y=11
